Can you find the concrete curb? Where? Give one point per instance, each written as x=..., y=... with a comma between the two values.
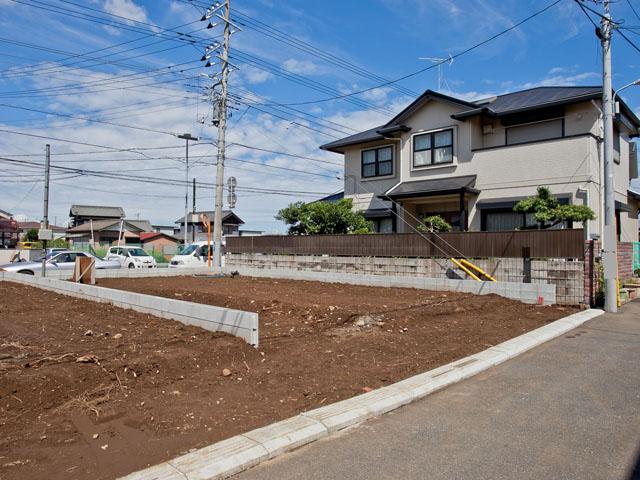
x=231, y=456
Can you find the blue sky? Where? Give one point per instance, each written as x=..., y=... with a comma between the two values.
x=54, y=62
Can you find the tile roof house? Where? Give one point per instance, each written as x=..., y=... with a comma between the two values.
x=470, y=162
x=83, y=213
x=108, y=231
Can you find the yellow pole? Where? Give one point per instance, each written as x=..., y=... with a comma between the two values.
x=465, y=270
x=477, y=269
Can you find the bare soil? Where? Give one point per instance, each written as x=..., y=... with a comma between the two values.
x=89, y=390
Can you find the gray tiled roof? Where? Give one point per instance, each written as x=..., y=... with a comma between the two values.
x=537, y=97
x=96, y=211
x=530, y=99
x=433, y=186
x=366, y=136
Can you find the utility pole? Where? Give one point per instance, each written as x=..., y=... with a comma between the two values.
x=45, y=217
x=193, y=211
x=222, y=130
x=609, y=240
x=186, y=137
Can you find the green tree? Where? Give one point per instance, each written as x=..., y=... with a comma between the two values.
x=434, y=223
x=31, y=235
x=548, y=211
x=322, y=218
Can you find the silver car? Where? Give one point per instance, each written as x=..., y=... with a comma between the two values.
x=57, y=261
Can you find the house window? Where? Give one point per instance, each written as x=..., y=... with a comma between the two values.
x=616, y=144
x=377, y=162
x=533, y=132
x=433, y=148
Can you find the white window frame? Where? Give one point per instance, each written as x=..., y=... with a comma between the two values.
x=393, y=162
x=454, y=162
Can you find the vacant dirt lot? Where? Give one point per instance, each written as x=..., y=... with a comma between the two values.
x=149, y=389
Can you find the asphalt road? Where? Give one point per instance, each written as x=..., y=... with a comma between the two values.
x=569, y=409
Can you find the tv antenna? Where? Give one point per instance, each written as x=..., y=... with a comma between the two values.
x=439, y=61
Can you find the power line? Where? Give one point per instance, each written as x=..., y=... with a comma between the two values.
x=87, y=119
x=635, y=12
x=434, y=65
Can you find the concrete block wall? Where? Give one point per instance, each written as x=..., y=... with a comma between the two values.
x=524, y=292
x=566, y=276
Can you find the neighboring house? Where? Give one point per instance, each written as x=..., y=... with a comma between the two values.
x=108, y=231
x=168, y=229
x=470, y=162
x=230, y=225
x=333, y=198
x=81, y=214
x=24, y=227
x=8, y=232
x=4, y=215
x=157, y=241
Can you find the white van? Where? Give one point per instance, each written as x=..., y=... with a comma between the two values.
x=195, y=255
x=131, y=257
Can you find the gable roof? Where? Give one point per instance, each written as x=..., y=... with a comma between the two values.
x=227, y=217
x=148, y=236
x=96, y=211
x=102, y=225
x=500, y=105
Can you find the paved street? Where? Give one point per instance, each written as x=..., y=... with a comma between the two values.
x=569, y=409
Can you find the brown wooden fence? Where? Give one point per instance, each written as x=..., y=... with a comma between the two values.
x=541, y=244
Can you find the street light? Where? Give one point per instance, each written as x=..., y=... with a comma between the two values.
x=186, y=137
x=616, y=92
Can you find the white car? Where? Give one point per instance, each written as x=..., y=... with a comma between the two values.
x=194, y=255
x=65, y=260
x=131, y=257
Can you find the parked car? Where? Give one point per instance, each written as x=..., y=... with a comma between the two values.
x=61, y=261
x=50, y=252
x=194, y=255
x=131, y=257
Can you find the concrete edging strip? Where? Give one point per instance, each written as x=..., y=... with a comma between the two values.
x=241, y=452
x=216, y=319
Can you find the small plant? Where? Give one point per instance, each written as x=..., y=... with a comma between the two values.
x=434, y=224
x=599, y=295
x=31, y=235
x=548, y=211
x=158, y=256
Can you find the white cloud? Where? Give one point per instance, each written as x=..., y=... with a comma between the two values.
x=301, y=67
x=126, y=8
x=377, y=95
x=254, y=75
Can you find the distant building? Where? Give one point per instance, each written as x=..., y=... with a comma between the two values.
x=8, y=232
x=230, y=225
x=24, y=227
x=81, y=214
x=5, y=215
x=108, y=231
x=168, y=229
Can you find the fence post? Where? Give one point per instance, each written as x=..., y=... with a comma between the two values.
x=526, y=261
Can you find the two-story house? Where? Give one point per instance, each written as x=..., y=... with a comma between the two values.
x=470, y=162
